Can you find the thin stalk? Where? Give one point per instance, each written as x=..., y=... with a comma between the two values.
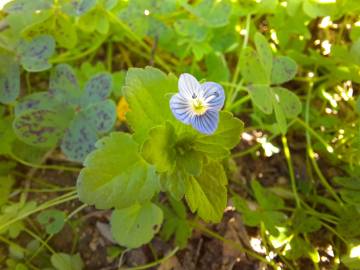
x=45, y=167
x=60, y=200
x=153, y=264
x=232, y=243
x=239, y=102
x=291, y=170
x=310, y=150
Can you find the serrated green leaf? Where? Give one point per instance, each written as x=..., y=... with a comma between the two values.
x=158, y=149
x=115, y=175
x=266, y=199
x=148, y=93
x=136, y=225
x=52, y=219
x=9, y=80
x=207, y=194
x=223, y=140
x=283, y=69
x=261, y=95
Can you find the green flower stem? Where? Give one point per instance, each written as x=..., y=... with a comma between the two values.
x=45, y=167
x=131, y=35
x=64, y=58
x=59, y=200
x=47, y=190
x=239, y=102
x=315, y=134
x=234, y=90
x=231, y=243
x=155, y=263
x=310, y=151
x=291, y=170
x=74, y=212
x=38, y=238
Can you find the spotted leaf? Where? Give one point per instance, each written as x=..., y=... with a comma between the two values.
x=102, y=115
x=35, y=54
x=97, y=88
x=42, y=127
x=9, y=80
x=79, y=139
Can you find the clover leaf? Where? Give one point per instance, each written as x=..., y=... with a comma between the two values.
x=67, y=115
x=264, y=72
x=9, y=80
x=34, y=54
x=53, y=220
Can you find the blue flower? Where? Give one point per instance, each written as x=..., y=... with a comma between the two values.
x=198, y=104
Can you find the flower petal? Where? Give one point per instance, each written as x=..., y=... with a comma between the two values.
x=188, y=85
x=214, y=95
x=206, y=123
x=181, y=109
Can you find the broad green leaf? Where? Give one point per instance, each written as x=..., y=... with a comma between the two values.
x=223, y=140
x=251, y=218
x=288, y=101
x=175, y=183
x=349, y=222
x=37, y=101
x=283, y=69
x=303, y=223
x=190, y=161
x=252, y=68
x=63, y=261
x=115, y=175
x=266, y=199
x=52, y=219
x=9, y=80
x=34, y=54
x=148, y=92
x=136, y=225
x=261, y=95
x=207, y=194
x=159, y=149
x=175, y=223
x=264, y=53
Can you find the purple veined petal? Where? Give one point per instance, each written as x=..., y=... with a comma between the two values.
x=180, y=107
x=206, y=123
x=189, y=87
x=214, y=95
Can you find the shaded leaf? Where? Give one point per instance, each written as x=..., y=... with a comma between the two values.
x=283, y=70
x=52, y=219
x=9, y=80
x=115, y=175
x=207, y=194
x=261, y=95
x=136, y=225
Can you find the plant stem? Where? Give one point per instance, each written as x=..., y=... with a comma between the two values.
x=152, y=264
x=231, y=243
x=45, y=167
x=291, y=170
